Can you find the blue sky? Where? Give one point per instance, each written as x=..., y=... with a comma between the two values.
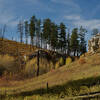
x=73, y=13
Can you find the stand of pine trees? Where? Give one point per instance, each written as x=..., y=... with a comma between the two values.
x=49, y=35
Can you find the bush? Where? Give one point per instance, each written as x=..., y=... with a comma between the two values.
x=61, y=61
x=68, y=61
x=57, y=65
x=30, y=68
x=84, y=90
x=44, y=66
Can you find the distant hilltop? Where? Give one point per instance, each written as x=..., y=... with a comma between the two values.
x=94, y=43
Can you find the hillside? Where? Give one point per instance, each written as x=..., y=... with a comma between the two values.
x=82, y=75
x=14, y=48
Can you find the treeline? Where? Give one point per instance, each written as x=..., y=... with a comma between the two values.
x=47, y=34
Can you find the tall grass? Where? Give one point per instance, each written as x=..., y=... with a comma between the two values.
x=7, y=63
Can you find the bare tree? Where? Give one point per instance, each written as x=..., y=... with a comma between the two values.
x=20, y=30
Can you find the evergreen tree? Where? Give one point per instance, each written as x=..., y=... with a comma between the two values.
x=26, y=31
x=32, y=28
x=54, y=36
x=20, y=30
x=68, y=43
x=62, y=36
x=38, y=32
x=82, y=32
x=74, y=43
x=47, y=30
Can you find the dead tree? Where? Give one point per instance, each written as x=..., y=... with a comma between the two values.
x=38, y=63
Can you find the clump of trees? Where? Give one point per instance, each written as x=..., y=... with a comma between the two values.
x=49, y=35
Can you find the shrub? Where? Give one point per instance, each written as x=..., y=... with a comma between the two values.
x=84, y=90
x=61, y=61
x=57, y=65
x=44, y=66
x=82, y=61
x=30, y=67
x=68, y=61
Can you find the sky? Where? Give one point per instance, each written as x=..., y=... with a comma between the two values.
x=73, y=13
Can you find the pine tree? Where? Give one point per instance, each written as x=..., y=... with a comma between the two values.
x=82, y=33
x=32, y=28
x=26, y=31
x=74, y=43
x=47, y=30
x=54, y=36
x=38, y=32
x=62, y=36
x=68, y=43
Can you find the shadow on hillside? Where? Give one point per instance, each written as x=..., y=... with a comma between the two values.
x=74, y=85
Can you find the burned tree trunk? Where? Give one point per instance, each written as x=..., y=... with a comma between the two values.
x=38, y=63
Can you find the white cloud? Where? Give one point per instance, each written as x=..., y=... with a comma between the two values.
x=72, y=17
x=79, y=21
x=68, y=3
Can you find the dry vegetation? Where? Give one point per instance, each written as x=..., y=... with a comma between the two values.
x=76, y=71
x=74, y=78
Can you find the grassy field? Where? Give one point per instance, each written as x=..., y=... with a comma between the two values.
x=80, y=77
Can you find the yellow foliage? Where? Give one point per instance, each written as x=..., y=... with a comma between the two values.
x=61, y=61
x=7, y=63
x=84, y=89
x=44, y=66
x=68, y=61
x=31, y=66
x=57, y=65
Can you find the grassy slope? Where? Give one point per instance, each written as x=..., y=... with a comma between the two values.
x=13, y=47
x=65, y=74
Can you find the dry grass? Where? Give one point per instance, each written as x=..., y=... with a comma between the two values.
x=85, y=67
x=7, y=63
x=56, y=77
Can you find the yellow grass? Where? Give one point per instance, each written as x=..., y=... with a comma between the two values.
x=56, y=77
x=8, y=63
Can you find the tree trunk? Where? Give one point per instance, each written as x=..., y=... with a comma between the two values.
x=38, y=63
